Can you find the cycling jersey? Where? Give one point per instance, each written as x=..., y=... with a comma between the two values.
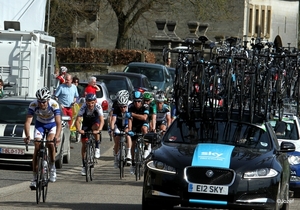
x=152, y=108
x=44, y=116
x=137, y=124
x=90, y=117
x=161, y=114
x=121, y=119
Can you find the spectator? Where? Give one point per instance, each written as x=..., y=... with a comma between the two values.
x=79, y=87
x=66, y=95
x=60, y=76
x=168, y=62
x=92, y=87
x=1, y=88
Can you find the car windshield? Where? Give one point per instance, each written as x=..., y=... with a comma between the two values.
x=286, y=129
x=222, y=132
x=153, y=74
x=14, y=113
x=99, y=94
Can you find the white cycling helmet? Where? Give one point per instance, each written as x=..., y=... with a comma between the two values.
x=160, y=97
x=123, y=99
x=43, y=94
x=123, y=93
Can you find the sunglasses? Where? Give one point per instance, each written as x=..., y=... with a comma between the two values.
x=42, y=101
x=138, y=101
x=122, y=107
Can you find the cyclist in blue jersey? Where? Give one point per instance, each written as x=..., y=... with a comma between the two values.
x=120, y=121
x=48, y=117
x=91, y=116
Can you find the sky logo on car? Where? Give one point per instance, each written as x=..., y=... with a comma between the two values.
x=213, y=155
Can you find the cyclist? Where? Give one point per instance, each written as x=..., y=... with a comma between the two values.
x=162, y=117
x=90, y=116
x=120, y=121
x=138, y=113
x=48, y=117
x=148, y=99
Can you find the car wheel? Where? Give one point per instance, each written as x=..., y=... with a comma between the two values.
x=146, y=205
x=59, y=161
x=67, y=157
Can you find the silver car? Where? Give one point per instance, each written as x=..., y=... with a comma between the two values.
x=12, y=147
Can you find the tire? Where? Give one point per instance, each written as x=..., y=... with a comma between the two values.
x=38, y=191
x=46, y=177
x=137, y=162
x=67, y=157
x=122, y=160
x=87, y=164
x=92, y=161
x=59, y=161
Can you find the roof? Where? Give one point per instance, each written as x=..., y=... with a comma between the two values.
x=129, y=74
x=145, y=64
x=17, y=99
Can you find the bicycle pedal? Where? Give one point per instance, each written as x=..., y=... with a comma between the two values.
x=32, y=188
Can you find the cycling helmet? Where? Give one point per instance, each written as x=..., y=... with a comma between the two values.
x=123, y=93
x=137, y=95
x=90, y=97
x=147, y=96
x=122, y=100
x=43, y=94
x=160, y=97
x=63, y=69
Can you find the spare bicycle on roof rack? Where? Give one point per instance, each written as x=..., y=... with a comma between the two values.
x=236, y=82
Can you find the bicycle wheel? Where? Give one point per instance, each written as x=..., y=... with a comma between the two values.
x=38, y=191
x=121, y=159
x=92, y=161
x=46, y=176
x=137, y=160
x=87, y=160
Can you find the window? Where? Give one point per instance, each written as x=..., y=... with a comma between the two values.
x=250, y=30
x=268, y=22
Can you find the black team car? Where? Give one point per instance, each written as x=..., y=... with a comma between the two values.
x=227, y=164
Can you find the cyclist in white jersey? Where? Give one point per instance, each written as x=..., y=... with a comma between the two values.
x=48, y=117
x=161, y=115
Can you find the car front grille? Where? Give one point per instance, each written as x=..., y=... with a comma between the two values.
x=212, y=176
x=13, y=141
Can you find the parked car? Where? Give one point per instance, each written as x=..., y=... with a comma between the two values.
x=114, y=83
x=102, y=98
x=158, y=74
x=288, y=130
x=224, y=164
x=172, y=72
x=12, y=147
x=140, y=82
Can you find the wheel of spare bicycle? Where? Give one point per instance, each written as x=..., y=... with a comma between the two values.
x=45, y=180
x=189, y=101
x=39, y=184
x=87, y=161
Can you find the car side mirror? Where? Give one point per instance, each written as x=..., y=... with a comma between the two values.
x=287, y=147
x=151, y=138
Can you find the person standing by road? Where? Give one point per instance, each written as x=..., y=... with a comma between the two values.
x=66, y=94
x=92, y=87
x=48, y=117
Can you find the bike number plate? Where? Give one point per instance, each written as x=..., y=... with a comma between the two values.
x=12, y=151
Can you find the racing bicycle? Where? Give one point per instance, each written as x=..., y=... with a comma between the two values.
x=43, y=169
x=90, y=155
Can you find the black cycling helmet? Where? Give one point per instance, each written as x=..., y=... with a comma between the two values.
x=137, y=95
x=90, y=97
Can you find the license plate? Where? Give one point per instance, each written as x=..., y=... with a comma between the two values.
x=12, y=151
x=208, y=189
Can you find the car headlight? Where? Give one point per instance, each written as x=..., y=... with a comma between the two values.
x=294, y=160
x=261, y=173
x=160, y=166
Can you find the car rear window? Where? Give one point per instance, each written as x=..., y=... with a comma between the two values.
x=113, y=85
x=153, y=74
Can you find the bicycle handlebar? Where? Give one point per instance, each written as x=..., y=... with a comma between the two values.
x=42, y=140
